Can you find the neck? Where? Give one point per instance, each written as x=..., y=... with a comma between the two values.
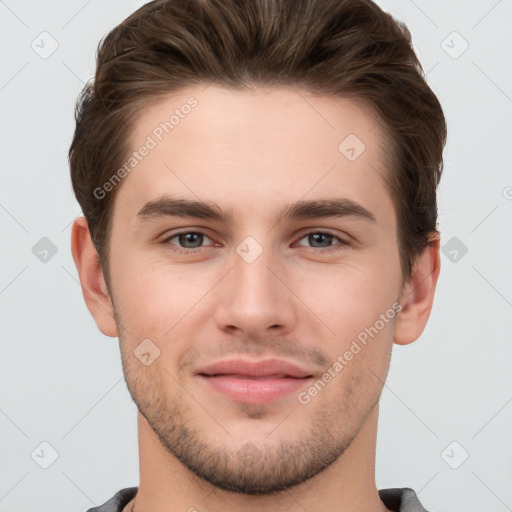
x=347, y=484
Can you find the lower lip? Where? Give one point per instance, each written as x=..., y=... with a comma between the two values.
x=254, y=391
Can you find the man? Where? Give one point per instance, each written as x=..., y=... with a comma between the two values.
x=297, y=148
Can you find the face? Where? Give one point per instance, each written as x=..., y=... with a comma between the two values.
x=243, y=280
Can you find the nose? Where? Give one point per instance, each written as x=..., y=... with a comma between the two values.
x=256, y=299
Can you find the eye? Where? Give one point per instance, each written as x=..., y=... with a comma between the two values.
x=192, y=241
x=325, y=239
x=188, y=240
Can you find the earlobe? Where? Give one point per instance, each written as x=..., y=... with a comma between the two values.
x=418, y=294
x=94, y=288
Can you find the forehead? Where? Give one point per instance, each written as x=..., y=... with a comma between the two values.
x=272, y=118
x=274, y=143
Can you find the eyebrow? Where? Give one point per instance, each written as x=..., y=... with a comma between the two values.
x=168, y=206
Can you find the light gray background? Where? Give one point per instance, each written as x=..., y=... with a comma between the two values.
x=61, y=380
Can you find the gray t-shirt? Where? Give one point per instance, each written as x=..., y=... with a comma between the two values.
x=397, y=500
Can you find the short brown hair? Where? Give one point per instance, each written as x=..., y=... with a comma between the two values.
x=345, y=48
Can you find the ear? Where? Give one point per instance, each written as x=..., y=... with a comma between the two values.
x=93, y=284
x=418, y=294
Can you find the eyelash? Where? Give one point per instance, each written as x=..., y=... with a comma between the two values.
x=176, y=249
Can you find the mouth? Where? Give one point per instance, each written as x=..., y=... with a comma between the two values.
x=249, y=389
x=252, y=381
x=253, y=377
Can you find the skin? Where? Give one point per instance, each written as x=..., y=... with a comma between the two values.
x=251, y=152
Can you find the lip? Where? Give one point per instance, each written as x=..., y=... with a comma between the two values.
x=264, y=368
x=254, y=382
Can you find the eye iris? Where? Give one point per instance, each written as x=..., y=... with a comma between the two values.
x=184, y=238
x=313, y=237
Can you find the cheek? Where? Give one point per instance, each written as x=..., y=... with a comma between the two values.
x=152, y=298
x=349, y=298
